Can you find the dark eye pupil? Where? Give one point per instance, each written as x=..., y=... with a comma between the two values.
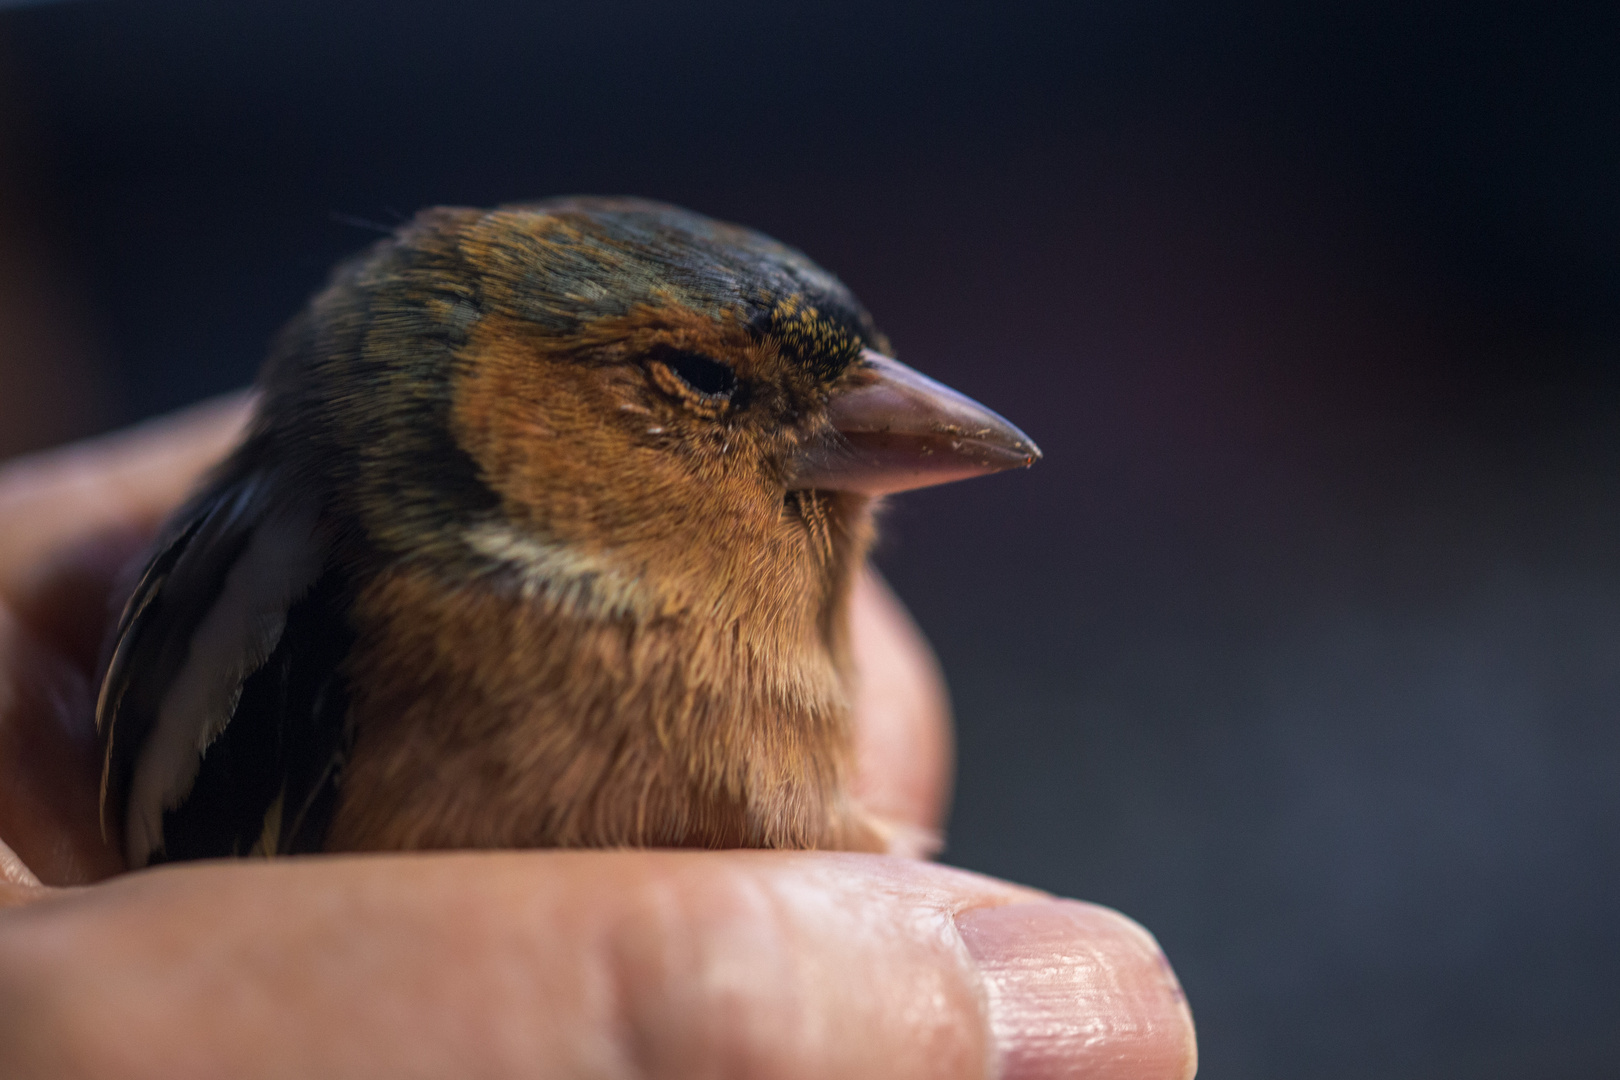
x=708, y=377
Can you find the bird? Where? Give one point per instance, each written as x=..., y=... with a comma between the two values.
x=543, y=534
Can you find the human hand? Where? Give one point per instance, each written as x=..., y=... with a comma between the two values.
x=770, y=964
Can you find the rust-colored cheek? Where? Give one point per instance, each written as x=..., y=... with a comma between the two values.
x=547, y=432
x=587, y=453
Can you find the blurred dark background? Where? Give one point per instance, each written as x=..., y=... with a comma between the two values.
x=1303, y=644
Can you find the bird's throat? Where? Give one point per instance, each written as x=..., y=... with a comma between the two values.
x=493, y=718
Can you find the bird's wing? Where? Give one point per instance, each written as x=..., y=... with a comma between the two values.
x=222, y=710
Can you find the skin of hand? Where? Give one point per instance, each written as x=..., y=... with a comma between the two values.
x=509, y=964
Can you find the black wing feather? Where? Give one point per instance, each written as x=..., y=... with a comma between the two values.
x=175, y=592
x=282, y=754
x=272, y=773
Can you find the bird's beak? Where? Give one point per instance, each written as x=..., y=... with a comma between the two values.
x=895, y=429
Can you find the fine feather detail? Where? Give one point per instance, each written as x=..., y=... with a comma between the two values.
x=175, y=590
x=588, y=584
x=110, y=701
x=239, y=632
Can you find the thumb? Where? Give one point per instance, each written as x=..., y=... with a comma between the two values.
x=565, y=964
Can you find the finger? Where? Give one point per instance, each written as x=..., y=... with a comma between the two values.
x=13, y=872
x=676, y=965
x=73, y=515
x=49, y=768
x=74, y=518
x=18, y=886
x=904, y=748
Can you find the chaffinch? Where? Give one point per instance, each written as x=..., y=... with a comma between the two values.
x=543, y=535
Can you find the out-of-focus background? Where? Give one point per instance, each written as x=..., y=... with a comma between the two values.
x=1303, y=644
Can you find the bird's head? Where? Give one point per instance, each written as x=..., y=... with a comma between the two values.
x=634, y=409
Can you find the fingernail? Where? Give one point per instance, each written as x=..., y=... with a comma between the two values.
x=13, y=872
x=1077, y=990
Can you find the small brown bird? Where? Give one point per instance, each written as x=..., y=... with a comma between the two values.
x=543, y=535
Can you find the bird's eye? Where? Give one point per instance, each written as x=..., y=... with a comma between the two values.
x=708, y=377
x=700, y=380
